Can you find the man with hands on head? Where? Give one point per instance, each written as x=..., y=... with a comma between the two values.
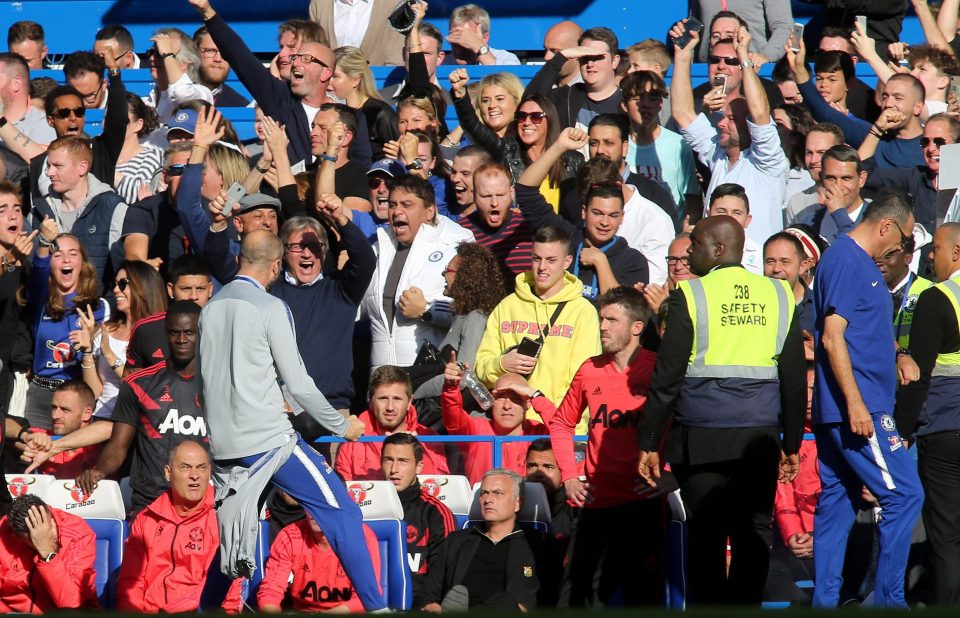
x=745, y=147
x=46, y=559
x=333, y=130
x=731, y=370
x=470, y=37
x=512, y=398
x=857, y=438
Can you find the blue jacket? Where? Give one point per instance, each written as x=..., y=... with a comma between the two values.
x=54, y=356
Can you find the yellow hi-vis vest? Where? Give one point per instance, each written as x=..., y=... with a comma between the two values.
x=740, y=321
x=948, y=364
x=904, y=317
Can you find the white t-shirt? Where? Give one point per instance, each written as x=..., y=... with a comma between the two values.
x=649, y=230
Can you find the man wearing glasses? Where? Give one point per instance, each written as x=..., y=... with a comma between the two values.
x=214, y=71
x=120, y=41
x=292, y=104
x=857, y=438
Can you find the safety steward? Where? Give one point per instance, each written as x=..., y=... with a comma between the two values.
x=731, y=368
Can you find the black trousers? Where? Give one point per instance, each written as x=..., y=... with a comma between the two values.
x=939, y=467
x=729, y=500
x=618, y=550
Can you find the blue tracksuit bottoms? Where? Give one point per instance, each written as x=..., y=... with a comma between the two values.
x=309, y=479
x=881, y=463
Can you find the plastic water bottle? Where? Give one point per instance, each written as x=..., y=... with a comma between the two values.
x=475, y=386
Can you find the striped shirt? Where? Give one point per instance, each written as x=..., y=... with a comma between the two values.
x=138, y=172
x=510, y=243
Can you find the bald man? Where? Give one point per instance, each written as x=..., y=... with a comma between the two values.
x=294, y=104
x=732, y=368
x=563, y=35
x=935, y=346
x=248, y=348
x=512, y=397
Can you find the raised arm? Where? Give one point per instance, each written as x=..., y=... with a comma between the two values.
x=681, y=90
x=947, y=19
x=753, y=91
x=931, y=29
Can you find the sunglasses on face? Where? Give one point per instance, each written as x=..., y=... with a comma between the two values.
x=122, y=284
x=176, y=169
x=307, y=58
x=315, y=248
x=66, y=112
x=534, y=117
x=376, y=183
x=730, y=62
x=939, y=141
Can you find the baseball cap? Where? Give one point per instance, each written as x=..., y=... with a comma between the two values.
x=255, y=201
x=390, y=167
x=185, y=120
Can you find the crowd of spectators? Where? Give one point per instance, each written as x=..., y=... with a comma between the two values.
x=548, y=267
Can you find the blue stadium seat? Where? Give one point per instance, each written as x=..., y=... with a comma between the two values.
x=383, y=512
x=534, y=508
x=217, y=583
x=675, y=554
x=110, y=537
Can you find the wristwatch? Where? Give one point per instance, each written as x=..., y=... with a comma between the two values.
x=416, y=164
x=748, y=64
x=3, y=121
x=8, y=266
x=50, y=556
x=118, y=363
x=536, y=393
x=168, y=55
x=903, y=352
x=483, y=50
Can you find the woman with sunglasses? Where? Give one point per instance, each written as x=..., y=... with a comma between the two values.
x=139, y=292
x=535, y=125
x=61, y=287
x=138, y=161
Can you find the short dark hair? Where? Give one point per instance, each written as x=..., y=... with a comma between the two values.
x=726, y=15
x=473, y=151
x=604, y=191
x=405, y=439
x=730, y=189
x=833, y=61
x=952, y=122
x=617, y=121
x=787, y=238
x=20, y=511
x=632, y=301
x=828, y=127
x=843, y=154
x=782, y=72
x=118, y=32
x=21, y=31
x=889, y=205
x=604, y=35
x=40, y=87
x=597, y=169
x=540, y=445
x=189, y=265
x=50, y=101
x=428, y=29
x=84, y=392
x=83, y=62
x=345, y=113
x=416, y=186
x=638, y=82
x=551, y=234
x=182, y=307
x=942, y=60
x=305, y=30
x=836, y=32
x=915, y=84
x=18, y=63
x=389, y=374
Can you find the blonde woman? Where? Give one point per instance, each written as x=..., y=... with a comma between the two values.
x=352, y=82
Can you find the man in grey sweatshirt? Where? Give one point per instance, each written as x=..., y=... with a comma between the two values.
x=769, y=22
x=247, y=348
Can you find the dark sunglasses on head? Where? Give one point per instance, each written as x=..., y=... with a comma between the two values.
x=617, y=185
x=535, y=117
x=122, y=284
x=730, y=62
x=65, y=112
x=939, y=141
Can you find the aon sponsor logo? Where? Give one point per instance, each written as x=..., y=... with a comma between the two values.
x=184, y=425
x=615, y=419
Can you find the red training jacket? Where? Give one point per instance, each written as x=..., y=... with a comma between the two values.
x=616, y=401
x=69, y=464
x=796, y=502
x=166, y=557
x=478, y=456
x=30, y=585
x=360, y=461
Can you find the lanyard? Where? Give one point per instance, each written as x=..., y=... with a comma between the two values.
x=594, y=289
x=903, y=304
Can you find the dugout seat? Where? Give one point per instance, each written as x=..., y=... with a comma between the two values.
x=451, y=489
x=106, y=501
x=22, y=484
x=534, y=508
x=675, y=554
x=110, y=537
x=383, y=512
